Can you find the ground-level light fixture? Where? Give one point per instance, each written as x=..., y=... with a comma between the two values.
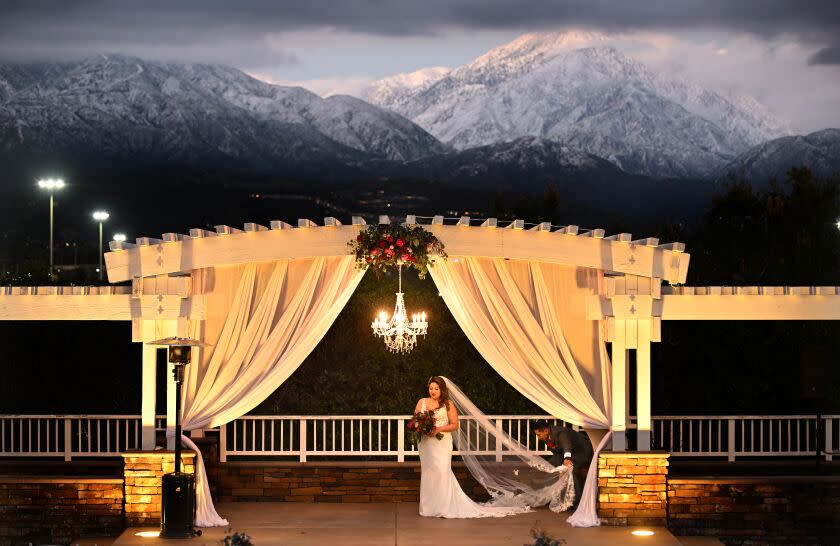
x=178, y=488
x=642, y=533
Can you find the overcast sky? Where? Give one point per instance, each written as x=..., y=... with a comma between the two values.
x=784, y=53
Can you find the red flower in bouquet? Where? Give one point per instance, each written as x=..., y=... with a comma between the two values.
x=400, y=242
x=550, y=444
x=420, y=425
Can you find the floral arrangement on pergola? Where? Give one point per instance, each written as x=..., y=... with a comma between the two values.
x=382, y=246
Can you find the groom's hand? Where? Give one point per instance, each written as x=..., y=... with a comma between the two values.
x=567, y=462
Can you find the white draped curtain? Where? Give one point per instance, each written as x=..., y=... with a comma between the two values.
x=262, y=320
x=528, y=320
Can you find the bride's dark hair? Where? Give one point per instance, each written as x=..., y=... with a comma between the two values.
x=444, y=390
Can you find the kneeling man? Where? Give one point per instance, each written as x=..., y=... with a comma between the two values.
x=568, y=447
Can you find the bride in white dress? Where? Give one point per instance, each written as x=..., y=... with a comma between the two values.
x=441, y=494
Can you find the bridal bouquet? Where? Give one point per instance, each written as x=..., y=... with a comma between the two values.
x=420, y=425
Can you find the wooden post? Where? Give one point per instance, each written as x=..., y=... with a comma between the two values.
x=400, y=440
x=147, y=404
x=68, y=439
x=303, y=440
x=619, y=388
x=643, y=389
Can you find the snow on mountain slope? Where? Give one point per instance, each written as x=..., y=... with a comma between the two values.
x=128, y=106
x=593, y=98
x=819, y=151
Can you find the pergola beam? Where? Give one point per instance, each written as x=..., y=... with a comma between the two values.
x=235, y=247
x=100, y=307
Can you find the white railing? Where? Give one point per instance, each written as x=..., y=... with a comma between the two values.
x=355, y=436
x=324, y=437
x=71, y=436
x=734, y=436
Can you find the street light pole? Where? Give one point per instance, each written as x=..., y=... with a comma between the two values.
x=50, y=185
x=100, y=216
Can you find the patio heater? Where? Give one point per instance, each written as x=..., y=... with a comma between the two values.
x=178, y=488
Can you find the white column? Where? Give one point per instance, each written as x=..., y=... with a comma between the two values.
x=643, y=393
x=149, y=386
x=619, y=386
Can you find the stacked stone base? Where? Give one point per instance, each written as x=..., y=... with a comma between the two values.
x=325, y=482
x=143, y=473
x=773, y=510
x=633, y=488
x=56, y=510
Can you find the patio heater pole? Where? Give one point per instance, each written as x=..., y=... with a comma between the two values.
x=178, y=488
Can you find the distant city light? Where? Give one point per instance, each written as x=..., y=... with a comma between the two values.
x=120, y=237
x=100, y=215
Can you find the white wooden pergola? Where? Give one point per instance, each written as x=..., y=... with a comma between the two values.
x=641, y=292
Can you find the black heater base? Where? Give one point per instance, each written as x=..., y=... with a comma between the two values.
x=178, y=506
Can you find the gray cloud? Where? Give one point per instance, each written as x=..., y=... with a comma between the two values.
x=38, y=26
x=827, y=55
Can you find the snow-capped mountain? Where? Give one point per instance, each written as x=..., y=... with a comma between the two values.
x=819, y=151
x=129, y=107
x=593, y=98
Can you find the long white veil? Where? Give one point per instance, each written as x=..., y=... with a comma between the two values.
x=511, y=474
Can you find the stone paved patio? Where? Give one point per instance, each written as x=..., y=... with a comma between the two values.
x=292, y=524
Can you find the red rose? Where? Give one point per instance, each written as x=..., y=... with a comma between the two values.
x=359, y=237
x=404, y=257
x=368, y=259
x=376, y=252
x=389, y=239
x=400, y=242
x=381, y=244
x=389, y=252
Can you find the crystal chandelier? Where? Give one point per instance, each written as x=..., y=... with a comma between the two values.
x=399, y=334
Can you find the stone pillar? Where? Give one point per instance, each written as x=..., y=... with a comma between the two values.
x=143, y=471
x=633, y=488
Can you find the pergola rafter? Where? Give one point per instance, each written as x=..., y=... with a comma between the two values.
x=177, y=253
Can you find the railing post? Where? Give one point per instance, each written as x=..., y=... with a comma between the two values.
x=829, y=443
x=303, y=440
x=223, y=443
x=498, y=443
x=68, y=439
x=731, y=438
x=400, y=440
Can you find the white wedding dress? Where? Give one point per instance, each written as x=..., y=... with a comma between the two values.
x=440, y=493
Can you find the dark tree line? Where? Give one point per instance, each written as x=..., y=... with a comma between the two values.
x=784, y=233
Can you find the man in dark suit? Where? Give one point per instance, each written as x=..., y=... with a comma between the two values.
x=568, y=447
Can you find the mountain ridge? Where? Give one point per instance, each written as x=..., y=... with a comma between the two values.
x=594, y=98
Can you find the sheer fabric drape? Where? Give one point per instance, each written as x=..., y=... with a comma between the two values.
x=528, y=320
x=262, y=320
